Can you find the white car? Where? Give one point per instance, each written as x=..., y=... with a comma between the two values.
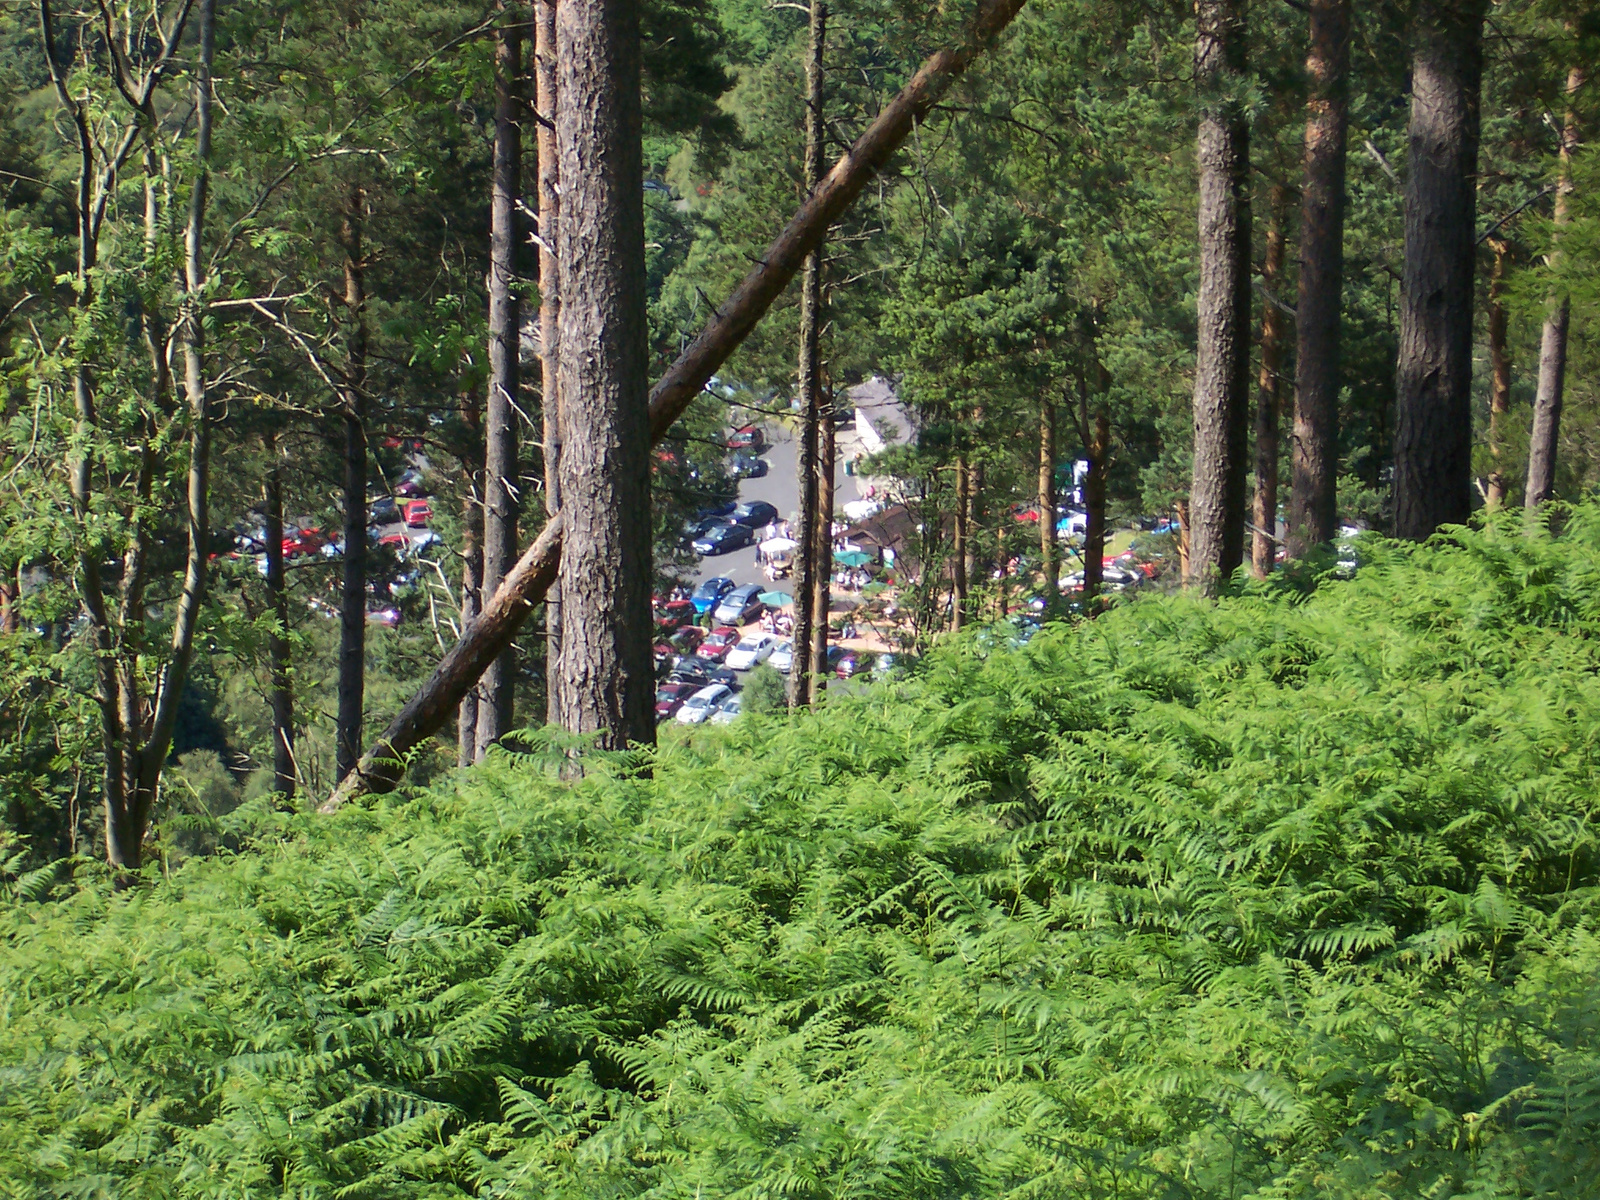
x=726, y=712
x=756, y=648
x=702, y=704
x=782, y=657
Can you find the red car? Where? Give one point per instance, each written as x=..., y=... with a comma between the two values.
x=300, y=541
x=687, y=640
x=715, y=648
x=416, y=513
x=398, y=540
x=673, y=614
x=746, y=437
x=670, y=698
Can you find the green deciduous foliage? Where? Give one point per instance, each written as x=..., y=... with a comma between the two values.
x=1290, y=895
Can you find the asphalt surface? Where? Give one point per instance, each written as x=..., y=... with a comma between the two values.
x=779, y=487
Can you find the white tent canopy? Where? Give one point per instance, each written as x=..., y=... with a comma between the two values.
x=778, y=545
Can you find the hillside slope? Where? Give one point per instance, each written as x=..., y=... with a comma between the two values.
x=1282, y=896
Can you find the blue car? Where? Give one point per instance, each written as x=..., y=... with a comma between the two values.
x=707, y=595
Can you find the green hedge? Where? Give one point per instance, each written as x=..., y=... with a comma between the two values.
x=1290, y=895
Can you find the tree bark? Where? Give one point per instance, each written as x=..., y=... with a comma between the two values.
x=1553, y=336
x=1433, y=384
x=958, y=546
x=1094, y=430
x=353, y=591
x=1049, y=547
x=814, y=561
x=471, y=569
x=497, y=692
x=281, y=685
x=1494, y=495
x=382, y=767
x=822, y=603
x=1098, y=447
x=607, y=677
x=1221, y=388
x=1269, y=393
x=1313, y=495
x=549, y=198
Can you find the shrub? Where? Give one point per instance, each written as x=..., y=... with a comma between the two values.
x=1281, y=896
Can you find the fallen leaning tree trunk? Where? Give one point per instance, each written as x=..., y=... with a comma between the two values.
x=383, y=765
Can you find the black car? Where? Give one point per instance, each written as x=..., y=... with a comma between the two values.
x=719, y=510
x=756, y=514
x=747, y=466
x=690, y=669
x=698, y=528
x=383, y=511
x=723, y=538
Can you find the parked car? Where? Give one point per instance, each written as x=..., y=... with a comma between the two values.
x=725, y=677
x=720, y=539
x=782, y=657
x=757, y=648
x=382, y=510
x=673, y=614
x=717, y=645
x=301, y=541
x=697, y=529
x=720, y=508
x=709, y=593
x=727, y=712
x=399, y=541
x=424, y=539
x=854, y=662
x=670, y=698
x=892, y=666
x=687, y=640
x=409, y=486
x=691, y=669
x=747, y=437
x=417, y=513
x=757, y=514
x=740, y=605
x=702, y=704
x=747, y=466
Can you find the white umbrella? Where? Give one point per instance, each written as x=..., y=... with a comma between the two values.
x=778, y=545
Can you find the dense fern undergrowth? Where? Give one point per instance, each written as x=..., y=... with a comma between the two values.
x=1290, y=895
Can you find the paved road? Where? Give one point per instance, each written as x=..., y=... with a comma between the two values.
x=779, y=487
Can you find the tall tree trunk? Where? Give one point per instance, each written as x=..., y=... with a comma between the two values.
x=471, y=568
x=813, y=563
x=1494, y=495
x=1049, y=546
x=549, y=199
x=281, y=687
x=1098, y=447
x=607, y=673
x=1269, y=392
x=1313, y=494
x=822, y=604
x=1094, y=430
x=497, y=697
x=1553, y=337
x=432, y=705
x=8, y=607
x=958, y=548
x=1222, y=359
x=353, y=592
x=1433, y=377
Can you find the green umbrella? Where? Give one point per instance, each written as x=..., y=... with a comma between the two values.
x=776, y=599
x=853, y=558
